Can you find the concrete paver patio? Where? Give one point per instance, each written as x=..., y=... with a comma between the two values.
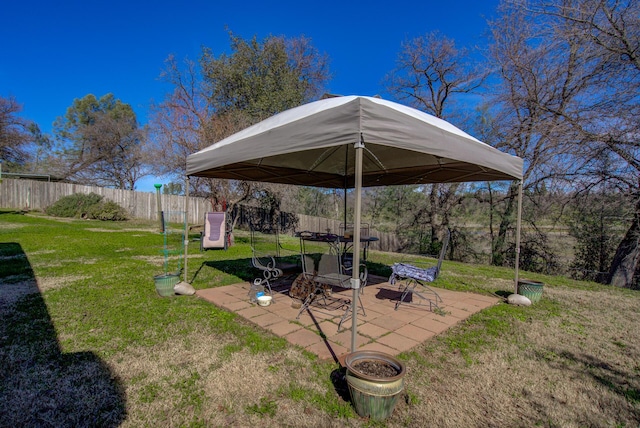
x=382, y=329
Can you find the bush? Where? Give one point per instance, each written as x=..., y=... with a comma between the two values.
x=82, y=205
x=76, y=205
x=107, y=211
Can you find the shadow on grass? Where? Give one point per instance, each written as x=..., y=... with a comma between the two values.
x=379, y=269
x=339, y=381
x=239, y=267
x=243, y=269
x=39, y=384
x=617, y=381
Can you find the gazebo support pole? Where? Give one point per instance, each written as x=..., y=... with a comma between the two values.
x=186, y=226
x=345, y=187
x=355, y=268
x=518, y=227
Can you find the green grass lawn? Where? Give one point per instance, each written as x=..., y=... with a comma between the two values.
x=86, y=341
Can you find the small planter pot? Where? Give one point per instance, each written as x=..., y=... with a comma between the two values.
x=165, y=284
x=374, y=396
x=530, y=289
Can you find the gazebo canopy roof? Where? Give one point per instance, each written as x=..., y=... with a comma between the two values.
x=314, y=145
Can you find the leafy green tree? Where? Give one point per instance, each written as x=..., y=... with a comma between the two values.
x=173, y=188
x=43, y=146
x=220, y=95
x=401, y=210
x=99, y=142
x=595, y=246
x=315, y=202
x=260, y=79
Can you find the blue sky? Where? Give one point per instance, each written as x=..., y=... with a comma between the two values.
x=55, y=51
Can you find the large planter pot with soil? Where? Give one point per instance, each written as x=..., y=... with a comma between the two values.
x=375, y=381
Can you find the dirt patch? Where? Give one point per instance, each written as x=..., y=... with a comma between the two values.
x=39, y=252
x=11, y=226
x=127, y=230
x=160, y=259
x=59, y=282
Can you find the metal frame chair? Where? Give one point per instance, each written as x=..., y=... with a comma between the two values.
x=267, y=265
x=331, y=272
x=410, y=276
x=264, y=257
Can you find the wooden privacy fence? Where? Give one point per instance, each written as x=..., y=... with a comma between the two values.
x=38, y=195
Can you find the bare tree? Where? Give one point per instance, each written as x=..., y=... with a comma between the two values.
x=539, y=75
x=430, y=75
x=430, y=71
x=14, y=134
x=600, y=42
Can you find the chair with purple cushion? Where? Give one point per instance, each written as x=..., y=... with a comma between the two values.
x=215, y=231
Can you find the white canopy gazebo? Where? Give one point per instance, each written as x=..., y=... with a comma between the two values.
x=355, y=142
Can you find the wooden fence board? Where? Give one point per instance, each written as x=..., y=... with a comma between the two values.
x=38, y=195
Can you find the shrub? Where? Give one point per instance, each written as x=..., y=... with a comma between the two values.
x=76, y=205
x=107, y=211
x=87, y=206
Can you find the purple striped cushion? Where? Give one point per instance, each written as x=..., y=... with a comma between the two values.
x=403, y=270
x=214, y=220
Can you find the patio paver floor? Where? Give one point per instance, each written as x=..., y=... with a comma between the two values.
x=383, y=329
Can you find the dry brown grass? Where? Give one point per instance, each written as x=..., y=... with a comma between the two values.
x=570, y=370
x=227, y=384
x=577, y=367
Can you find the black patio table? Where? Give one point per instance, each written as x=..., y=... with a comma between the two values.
x=338, y=243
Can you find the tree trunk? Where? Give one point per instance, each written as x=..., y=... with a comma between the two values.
x=625, y=267
x=433, y=213
x=498, y=247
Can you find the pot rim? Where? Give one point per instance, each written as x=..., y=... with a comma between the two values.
x=353, y=357
x=530, y=281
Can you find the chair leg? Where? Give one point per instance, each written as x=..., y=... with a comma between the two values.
x=267, y=284
x=305, y=305
x=408, y=288
x=411, y=288
x=345, y=316
x=317, y=289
